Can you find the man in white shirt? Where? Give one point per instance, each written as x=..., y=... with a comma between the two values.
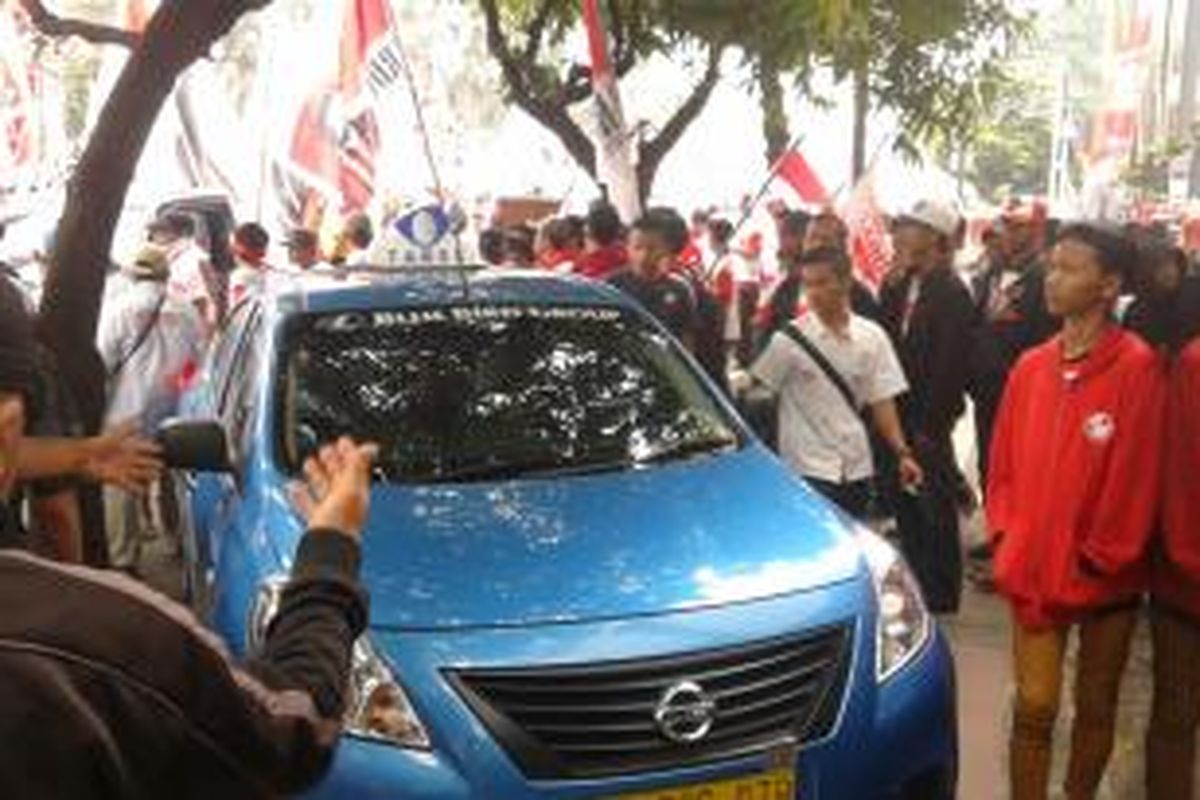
x=151, y=343
x=822, y=432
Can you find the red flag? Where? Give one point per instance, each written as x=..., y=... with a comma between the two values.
x=794, y=169
x=870, y=244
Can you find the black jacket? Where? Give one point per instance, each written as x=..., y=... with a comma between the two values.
x=109, y=690
x=934, y=348
x=1025, y=323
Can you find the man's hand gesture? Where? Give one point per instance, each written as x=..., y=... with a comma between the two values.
x=336, y=493
x=123, y=458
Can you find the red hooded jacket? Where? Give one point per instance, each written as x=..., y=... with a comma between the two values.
x=1177, y=573
x=1073, y=484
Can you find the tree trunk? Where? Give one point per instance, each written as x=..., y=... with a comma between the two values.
x=178, y=35
x=862, y=106
x=776, y=134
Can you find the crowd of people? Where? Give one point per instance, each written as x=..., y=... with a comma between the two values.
x=1078, y=349
x=1076, y=346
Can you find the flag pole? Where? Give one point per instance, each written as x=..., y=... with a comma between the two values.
x=422, y=126
x=766, y=184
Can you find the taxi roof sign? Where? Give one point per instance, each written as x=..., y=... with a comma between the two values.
x=423, y=236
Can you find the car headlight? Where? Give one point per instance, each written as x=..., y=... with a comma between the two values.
x=903, y=625
x=376, y=706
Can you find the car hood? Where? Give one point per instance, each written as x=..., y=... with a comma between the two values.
x=703, y=532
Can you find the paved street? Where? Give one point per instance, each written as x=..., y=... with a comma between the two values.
x=981, y=643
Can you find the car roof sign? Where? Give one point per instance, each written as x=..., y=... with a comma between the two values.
x=423, y=236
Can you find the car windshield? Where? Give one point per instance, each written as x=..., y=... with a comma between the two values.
x=472, y=393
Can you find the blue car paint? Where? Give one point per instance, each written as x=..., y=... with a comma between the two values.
x=885, y=733
x=692, y=555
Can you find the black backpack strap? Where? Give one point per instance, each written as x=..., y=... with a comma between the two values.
x=835, y=377
x=143, y=336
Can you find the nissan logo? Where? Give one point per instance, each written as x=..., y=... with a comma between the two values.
x=685, y=714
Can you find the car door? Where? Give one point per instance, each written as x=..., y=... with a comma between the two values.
x=213, y=498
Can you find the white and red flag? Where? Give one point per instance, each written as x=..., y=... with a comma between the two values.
x=335, y=145
x=18, y=106
x=614, y=147
x=794, y=170
x=870, y=242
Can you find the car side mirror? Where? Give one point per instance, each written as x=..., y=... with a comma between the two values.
x=195, y=445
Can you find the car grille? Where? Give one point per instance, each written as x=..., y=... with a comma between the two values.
x=598, y=720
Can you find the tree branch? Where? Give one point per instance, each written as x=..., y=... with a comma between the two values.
x=537, y=28
x=651, y=153
x=625, y=45
x=58, y=27
x=552, y=115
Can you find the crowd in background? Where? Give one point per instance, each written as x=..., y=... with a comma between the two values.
x=1075, y=346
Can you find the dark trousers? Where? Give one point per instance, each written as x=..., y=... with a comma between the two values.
x=986, y=399
x=854, y=497
x=1171, y=739
x=928, y=525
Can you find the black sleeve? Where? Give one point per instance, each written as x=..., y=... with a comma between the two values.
x=689, y=312
x=294, y=692
x=955, y=323
x=322, y=611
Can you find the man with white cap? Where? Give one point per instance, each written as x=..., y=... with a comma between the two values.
x=930, y=315
x=151, y=343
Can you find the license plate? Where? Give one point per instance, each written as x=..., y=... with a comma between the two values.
x=777, y=785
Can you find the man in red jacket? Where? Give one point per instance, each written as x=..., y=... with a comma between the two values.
x=1071, y=498
x=1175, y=618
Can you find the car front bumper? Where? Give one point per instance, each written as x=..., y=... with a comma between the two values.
x=892, y=741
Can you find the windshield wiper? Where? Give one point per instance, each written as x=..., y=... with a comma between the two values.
x=495, y=469
x=684, y=448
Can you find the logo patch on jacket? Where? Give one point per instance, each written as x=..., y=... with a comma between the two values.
x=1100, y=427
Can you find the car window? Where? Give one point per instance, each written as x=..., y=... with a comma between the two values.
x=474, y=393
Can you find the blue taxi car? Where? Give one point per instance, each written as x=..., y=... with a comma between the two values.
x=587, y=578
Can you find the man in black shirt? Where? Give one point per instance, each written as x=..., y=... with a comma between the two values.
x=1011, y=305
x=929, y=314
x=651, y=279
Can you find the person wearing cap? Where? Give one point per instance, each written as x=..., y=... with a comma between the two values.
x=110, y=690
x=929, y=314
x=1072, y=497
x=151, y=343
